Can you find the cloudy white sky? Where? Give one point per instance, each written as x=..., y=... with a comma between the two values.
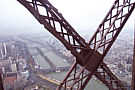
x=81, y=14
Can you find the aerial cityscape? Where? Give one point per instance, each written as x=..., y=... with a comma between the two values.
x=39, y=61
x=48, y=48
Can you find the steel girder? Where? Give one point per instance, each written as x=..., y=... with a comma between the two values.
x=89, y=56
x=1, y=83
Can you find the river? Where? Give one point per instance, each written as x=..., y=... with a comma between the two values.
x=92, y=85
x=59, y=62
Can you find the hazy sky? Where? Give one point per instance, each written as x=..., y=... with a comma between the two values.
x=81, y=14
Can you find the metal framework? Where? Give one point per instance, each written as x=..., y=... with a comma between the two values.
x=1, y=83
x=89, y=56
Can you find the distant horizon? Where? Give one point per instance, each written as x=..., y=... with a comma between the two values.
x=33, y=30
x=81, y=15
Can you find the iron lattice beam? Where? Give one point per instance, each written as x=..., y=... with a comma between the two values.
x=1, y=83
x=55, y=23
x=103, y=39
x=89, y=56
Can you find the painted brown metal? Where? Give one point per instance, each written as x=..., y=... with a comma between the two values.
x=89, y=56
x=1, y=83
x=106, y=42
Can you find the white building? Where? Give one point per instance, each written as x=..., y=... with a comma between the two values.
x=13, y=67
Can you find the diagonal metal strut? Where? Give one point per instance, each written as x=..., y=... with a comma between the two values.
x=89, y=56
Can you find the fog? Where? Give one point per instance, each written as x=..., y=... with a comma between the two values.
x=83, y=15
